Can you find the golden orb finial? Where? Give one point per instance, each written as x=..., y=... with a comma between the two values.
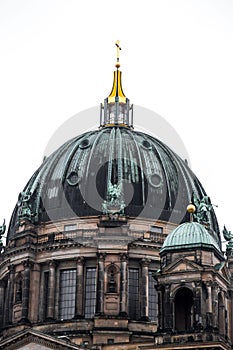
x=191, y=208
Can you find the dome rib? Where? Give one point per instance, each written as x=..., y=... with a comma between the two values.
x=132, y=135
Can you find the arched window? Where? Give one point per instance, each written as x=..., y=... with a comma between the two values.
x=183, y=309
x=112, y=279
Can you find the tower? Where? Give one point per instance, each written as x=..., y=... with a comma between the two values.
x=100, y=253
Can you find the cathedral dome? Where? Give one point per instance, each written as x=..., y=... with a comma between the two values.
x=82, y=266
x=113, y=170
x=75, y=180
x=189, y=235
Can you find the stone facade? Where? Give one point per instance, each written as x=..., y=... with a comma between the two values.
x=115, y=295
x=83, y=266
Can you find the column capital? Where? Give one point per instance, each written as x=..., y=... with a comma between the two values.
x=80, y=260
x=101, y=256
x=197, y=284
x=145, y=262
x=52, y=263
x=209, y=283
x=124, y=256
x=27, y=263
x=11, y=268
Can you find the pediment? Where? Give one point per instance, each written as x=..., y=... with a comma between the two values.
x=33, y=340
x=181, y=265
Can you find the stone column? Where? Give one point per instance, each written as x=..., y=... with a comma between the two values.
x=9, y=296
x=79, y=289
x=123, y=286
x=168, y=317
x=145, y=290
x=215, y=289
x=198, y=322
x=100, y=285
x=2, y=295
x=35, y=293
x=25, y=291
x=160, y=291
x=51, y=290
x=209, y=306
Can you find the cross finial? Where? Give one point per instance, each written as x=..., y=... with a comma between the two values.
x=117, y=43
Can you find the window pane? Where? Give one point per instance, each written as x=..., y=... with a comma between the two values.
x=67, y=294
x=152, y=298
x=133, y=296
x=45, y=294
x=156, y=229
x=90, y=293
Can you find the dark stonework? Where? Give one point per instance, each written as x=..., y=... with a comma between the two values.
x=25, y=292
x=100, y=286
x=79, y=289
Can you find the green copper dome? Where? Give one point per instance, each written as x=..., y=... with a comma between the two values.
x=189, y=235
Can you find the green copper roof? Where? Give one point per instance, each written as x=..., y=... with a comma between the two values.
x=189, y=235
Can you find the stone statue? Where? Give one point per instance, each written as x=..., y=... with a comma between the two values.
x=25, y=211
x=114, y=192
x=2, y=229
x=114, y=204
x=228, y=235
x=203, y=207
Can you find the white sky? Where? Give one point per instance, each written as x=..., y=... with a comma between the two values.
x=57, y=59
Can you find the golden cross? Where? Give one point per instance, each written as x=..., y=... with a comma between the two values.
x=117, y=43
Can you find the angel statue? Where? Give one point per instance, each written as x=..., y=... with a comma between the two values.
x=114, y=203
x=114, y=192
x=203, y=206
x=229, y=238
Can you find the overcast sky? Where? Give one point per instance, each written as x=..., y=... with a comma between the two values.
x=57, y=59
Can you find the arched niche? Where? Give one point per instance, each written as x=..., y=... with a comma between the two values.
x=183, y=303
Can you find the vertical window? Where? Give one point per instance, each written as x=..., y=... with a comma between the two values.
x=67, y=294
x=152, y=297
x=112, y=285
x=133, y=296
x=90, y=292
x=45, y=294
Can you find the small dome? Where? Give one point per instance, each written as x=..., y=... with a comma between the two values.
x=189, y=235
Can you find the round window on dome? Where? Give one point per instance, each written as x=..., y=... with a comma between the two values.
x=84, y=143
x=155, y=180
x=146, y=145
x=73, y=178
